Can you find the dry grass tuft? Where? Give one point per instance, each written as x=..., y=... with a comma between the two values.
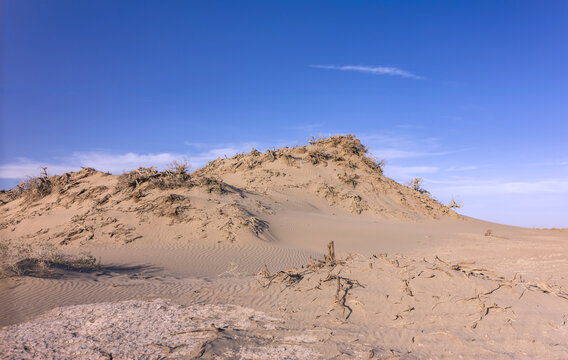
x=374, y=164
x=40, y=261
x=212, y=185
x=455, y=204
x=35, y=188
x=416, y=185
x=349, y=143
x=317, y=156
x=179, y=167
x=151, y=178
x=349, y=179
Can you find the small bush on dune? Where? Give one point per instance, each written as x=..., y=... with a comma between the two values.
x=349, y=179
x=455, y=204
x=40, y=260
x=179, y=167
x=348, y=143
x=35, y=188
x=374, y=164
x=416, y=185
x=317, y=156
x=174, y=177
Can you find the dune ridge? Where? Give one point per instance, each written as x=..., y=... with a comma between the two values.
x=228, y=199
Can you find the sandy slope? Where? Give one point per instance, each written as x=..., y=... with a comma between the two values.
x=201, y=237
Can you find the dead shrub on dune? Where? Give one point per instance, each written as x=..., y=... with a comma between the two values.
x=374, y=164
x=347, y=147
x=271, y=155
x=317, y=156
x=416, y=185
x=318, y=268
x=349, y=179
x=289, y=159
x=455, y=204
x=348, y=144
x=35, y=188
x=212, y=185
x=150, y=178
x=38, y=187
x=41, y=260
x=172, y=205
x=179, y=167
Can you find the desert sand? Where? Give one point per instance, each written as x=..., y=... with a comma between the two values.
x=232, y=261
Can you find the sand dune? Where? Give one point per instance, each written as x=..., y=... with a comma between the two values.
x=421, y=280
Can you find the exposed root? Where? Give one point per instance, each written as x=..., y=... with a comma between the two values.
x=293, y=277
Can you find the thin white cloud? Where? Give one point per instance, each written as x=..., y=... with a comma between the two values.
x=116, y=163
x=26, y=167
x=375, y=70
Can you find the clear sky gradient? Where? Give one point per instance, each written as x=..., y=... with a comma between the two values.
x=471, y=96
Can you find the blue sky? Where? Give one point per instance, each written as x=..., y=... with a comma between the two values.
x=471, y=96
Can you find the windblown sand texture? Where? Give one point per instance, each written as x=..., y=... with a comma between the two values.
x=239, y=244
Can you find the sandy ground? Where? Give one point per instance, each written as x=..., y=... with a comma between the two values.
x=238, y=244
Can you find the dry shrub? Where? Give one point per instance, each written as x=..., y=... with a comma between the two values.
x=289, y=159
x=374, y=164
x=271, y=155
x=349, y=179
x=171, y=205
x=212, y=185
x=35, y=188
x=416, y=184
x=313, y=141
x=317, y=156
x=152, y=178
x=40, y=261
x=316, y=270
x=179, y=167
x=253, y=163
x=348, y=143
x=455, y=204
x=358, y=205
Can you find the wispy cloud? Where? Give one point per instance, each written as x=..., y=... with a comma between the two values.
x=375, y=70
x=118, y=163
x=26, y=167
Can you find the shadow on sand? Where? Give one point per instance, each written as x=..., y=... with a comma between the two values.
x=59, y=270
